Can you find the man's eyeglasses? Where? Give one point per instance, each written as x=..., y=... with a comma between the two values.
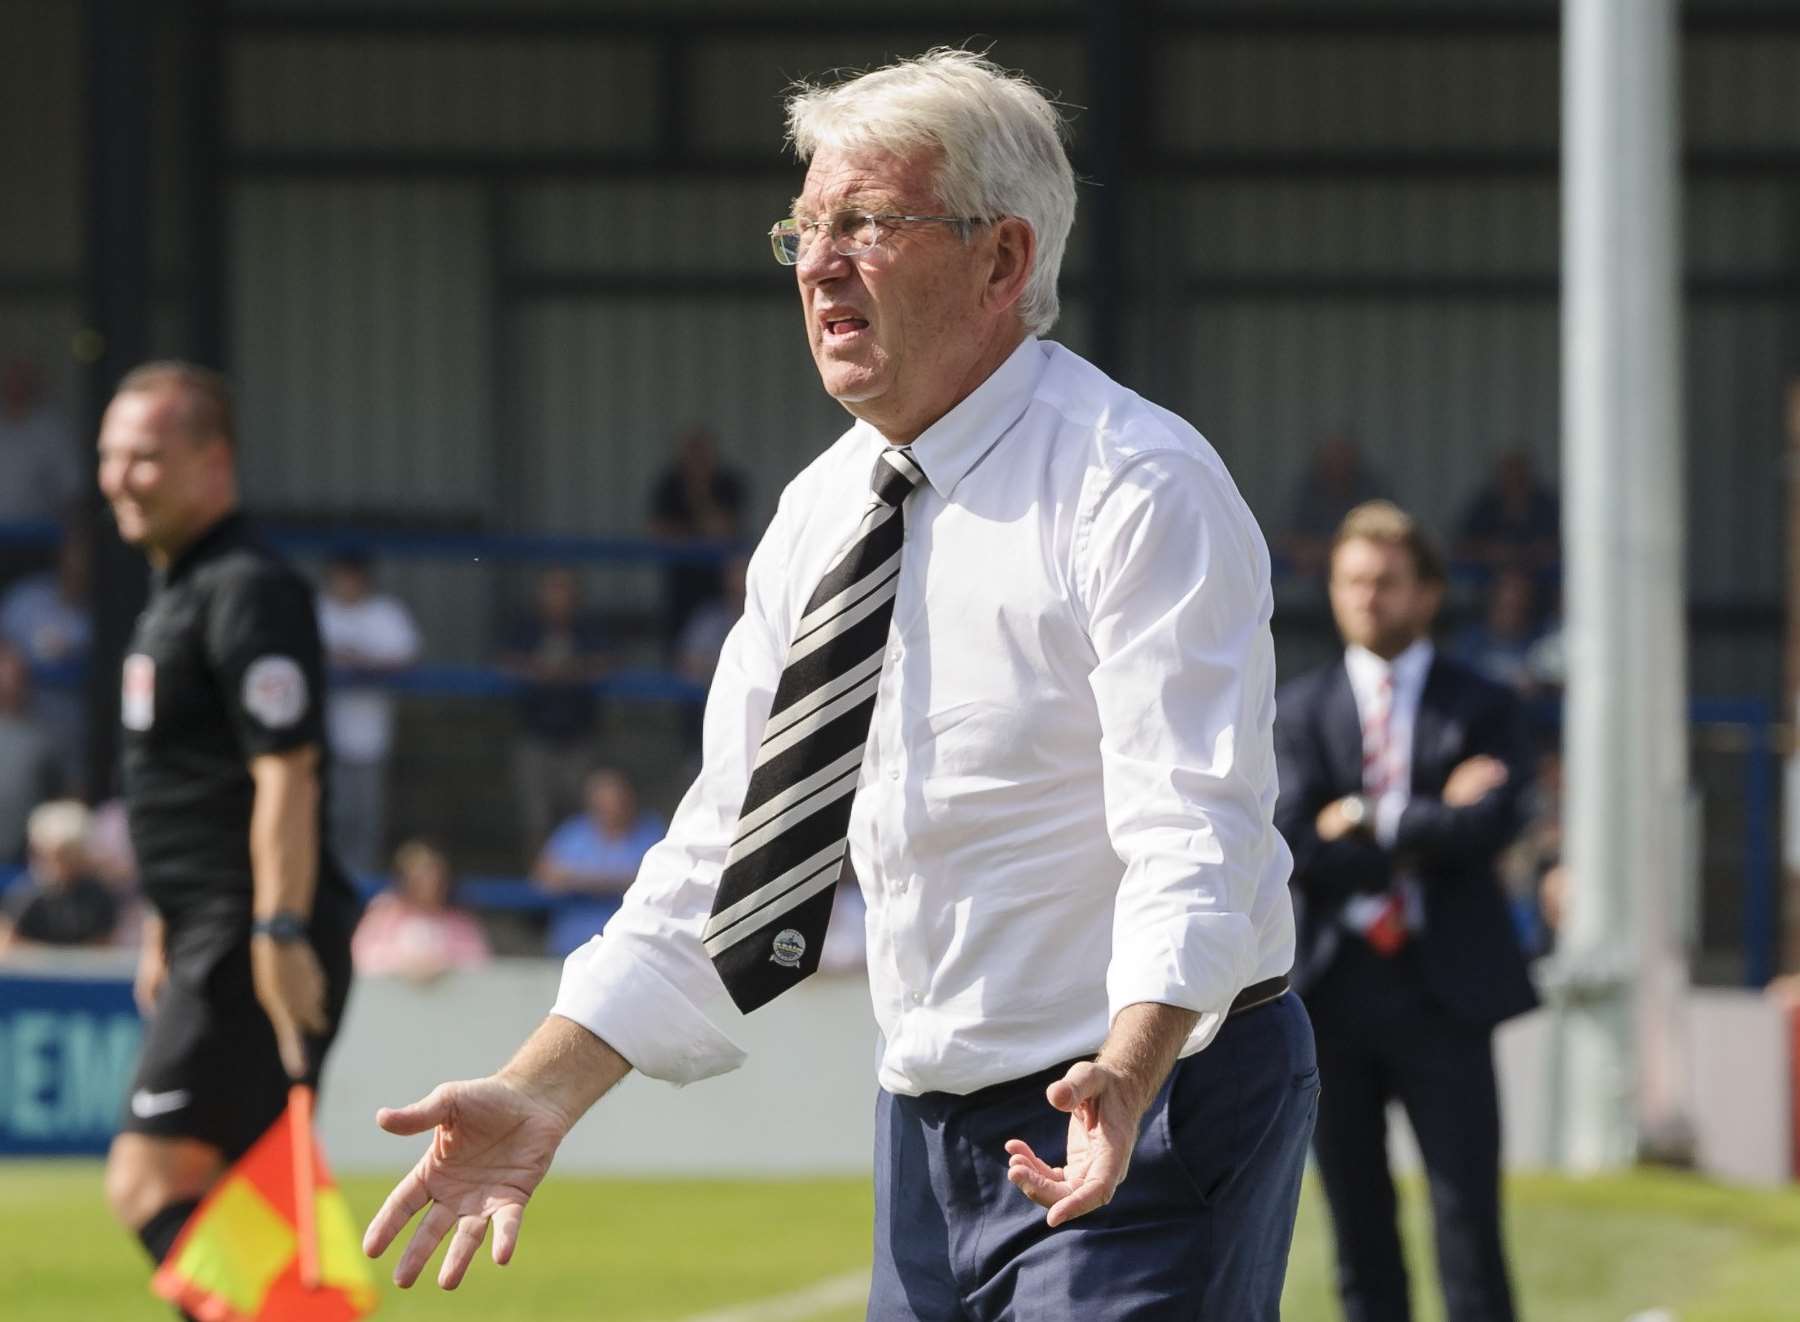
x=852, y=233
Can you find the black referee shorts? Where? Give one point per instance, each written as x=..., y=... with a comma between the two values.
x=210, y=1069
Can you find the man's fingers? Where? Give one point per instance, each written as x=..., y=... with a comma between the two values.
x=1091, y=1194
x=470, y=1231
x=1082, y=1083
x=1021, y=1154
x=1036, y=1184
x=506, y=1232
x=431, y=1229
x=407, y=1197
x=428, y=1112
x=292, y=1047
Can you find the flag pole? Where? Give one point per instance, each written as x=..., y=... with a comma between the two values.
x=300, y=1131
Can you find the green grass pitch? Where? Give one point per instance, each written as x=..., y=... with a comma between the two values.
x=661, y=1251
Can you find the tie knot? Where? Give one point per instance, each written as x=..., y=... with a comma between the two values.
x=896, y=474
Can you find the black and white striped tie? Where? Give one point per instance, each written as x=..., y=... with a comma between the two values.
x=769, y=917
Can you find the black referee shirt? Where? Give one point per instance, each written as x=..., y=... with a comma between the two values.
x=224, y=665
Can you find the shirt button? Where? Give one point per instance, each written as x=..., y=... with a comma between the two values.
x=916, y=997
x=894, y=655
x=893, y=773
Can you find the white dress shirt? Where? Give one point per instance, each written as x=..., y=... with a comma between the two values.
x=1067, y=794
x=1408, y=671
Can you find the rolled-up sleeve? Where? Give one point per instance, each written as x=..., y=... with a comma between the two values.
x=646, y=986
x=1174, y=577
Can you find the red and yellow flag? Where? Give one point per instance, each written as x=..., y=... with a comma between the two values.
x=273, y=1240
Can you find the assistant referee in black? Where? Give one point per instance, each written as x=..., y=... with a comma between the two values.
x=246, y=961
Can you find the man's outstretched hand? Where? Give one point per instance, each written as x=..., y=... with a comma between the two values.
x=491, y=1145
x=491, y=1148
x=1106, y=1099
x=1103, y=1129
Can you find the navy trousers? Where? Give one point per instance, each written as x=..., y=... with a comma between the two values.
x=1199, y=1231
x=1382, y=1036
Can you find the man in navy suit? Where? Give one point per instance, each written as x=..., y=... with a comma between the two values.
x=1401, y=780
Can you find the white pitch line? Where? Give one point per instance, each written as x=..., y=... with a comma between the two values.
x=832, y=1292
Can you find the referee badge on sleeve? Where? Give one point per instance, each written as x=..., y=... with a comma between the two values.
x=275, y=691
x=137, y=692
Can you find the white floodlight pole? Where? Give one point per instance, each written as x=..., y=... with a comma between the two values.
x=1625, y=732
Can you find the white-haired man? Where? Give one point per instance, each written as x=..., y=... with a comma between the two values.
x=1020, y=680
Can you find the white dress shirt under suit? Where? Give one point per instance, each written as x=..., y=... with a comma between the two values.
x=1408, y=671
x=1066, y=799
x=1405, y=678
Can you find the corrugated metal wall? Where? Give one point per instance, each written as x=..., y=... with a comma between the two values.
x=462, y=286
x=40, y=197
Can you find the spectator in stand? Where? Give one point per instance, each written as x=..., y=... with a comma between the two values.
x=703, y=638
x=594, y=857
x=47, y=617
x=1501, y=644
x=695, y=500
x=30, y=771
x=40, y=467
x=109, y=846
x=367, y=636
x=1335, y=482
x=559, y=651
x=1513, y=522
x=61, y=903
x=411, y=930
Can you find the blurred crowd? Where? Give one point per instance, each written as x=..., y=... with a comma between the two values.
x=581, y=822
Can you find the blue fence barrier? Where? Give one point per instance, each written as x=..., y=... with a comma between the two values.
x=67, y=1049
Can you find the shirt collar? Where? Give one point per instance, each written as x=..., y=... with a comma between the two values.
x=1408, y=669
x=955, y=443
x=225, y=532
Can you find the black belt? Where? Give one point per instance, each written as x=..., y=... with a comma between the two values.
x=1259, y=993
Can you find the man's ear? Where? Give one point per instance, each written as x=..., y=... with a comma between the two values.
x=1013, y=244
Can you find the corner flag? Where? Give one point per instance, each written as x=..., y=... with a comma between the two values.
x=273, y=1240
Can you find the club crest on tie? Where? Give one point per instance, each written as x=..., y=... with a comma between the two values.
x=787, y=948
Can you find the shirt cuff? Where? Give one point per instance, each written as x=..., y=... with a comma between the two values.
x=634, y=1009
x=1204, y=972
x=1388, y=811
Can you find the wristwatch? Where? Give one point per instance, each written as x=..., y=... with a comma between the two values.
x=1355, y=809
x=283, y=926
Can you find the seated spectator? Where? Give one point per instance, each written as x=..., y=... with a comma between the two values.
x=695, y=499
x=61, y=903
x=366, y=636
x=30, y=771
x=1335, y=482
x=48, y=618
x=411, y=930
x=594, y=857
x=1502, y=643
x=559, y=651
x=112, y=859
x=697, y=655
x=1513, y=522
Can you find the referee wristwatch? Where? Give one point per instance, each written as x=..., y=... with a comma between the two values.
x=1356, y=811
x=283, y=927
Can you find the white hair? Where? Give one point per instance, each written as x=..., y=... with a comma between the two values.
x=999, y=138
x=58, y=824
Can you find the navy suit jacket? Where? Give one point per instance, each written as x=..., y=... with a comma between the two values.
x=1468, y=950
